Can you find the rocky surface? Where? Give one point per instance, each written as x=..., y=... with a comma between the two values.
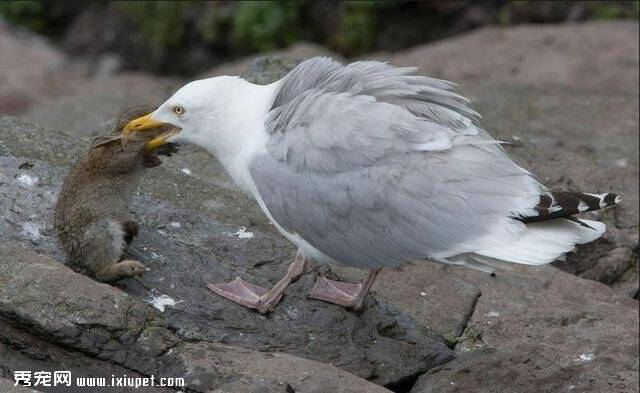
x=106, y=324
x=601, y=56
x=31, y=62
x=542, y=330
x=7, y=386
x=568, y=119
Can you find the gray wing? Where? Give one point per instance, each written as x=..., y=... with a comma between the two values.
x=374, y=166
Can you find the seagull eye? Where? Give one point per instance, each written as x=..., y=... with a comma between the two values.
x=178, y=110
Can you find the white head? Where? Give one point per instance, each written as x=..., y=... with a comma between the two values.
x=218, y=114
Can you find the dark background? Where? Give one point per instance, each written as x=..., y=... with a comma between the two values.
x=187, y=37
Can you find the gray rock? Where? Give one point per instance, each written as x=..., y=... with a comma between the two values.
x=417, y=289
x=240, y=371
x=20, y=350
x=268, y=69
x=611, y=267
x=544, y=330
x=95, y=319
x=627, y=283
x=7, y=386
x=88, y=102
x=72, y=310
x=595, y=56
x=295, y=53
x=27, y=64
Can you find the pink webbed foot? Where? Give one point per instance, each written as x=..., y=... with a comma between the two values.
x=246, y=294
x=256, y=297
x=344, y=294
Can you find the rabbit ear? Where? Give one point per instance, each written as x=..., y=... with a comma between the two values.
x=105, y=140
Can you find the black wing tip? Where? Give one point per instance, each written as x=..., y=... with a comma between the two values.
x=611, y=199
x=563, y=204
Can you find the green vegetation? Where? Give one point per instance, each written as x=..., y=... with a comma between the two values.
x=358, y=26
x=556, y=12
x=24, y=13
x=214, y=30
x=604, y=10
x=162, y=23
x=214, y=23
x=265, y=25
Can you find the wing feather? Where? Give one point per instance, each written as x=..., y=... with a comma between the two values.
x=374, y=166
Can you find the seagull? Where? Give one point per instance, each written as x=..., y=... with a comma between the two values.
x=371, y=165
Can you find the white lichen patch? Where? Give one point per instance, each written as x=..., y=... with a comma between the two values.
x=161, y=301
x=291, y=312
x=27, y=180
x=242, y=233
x=31, y=230
x=186, y=171
x=621, y=163
x=585, y=357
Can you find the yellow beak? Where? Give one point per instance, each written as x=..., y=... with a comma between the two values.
x=146, y=123
x=160, y=139
x=140, y=124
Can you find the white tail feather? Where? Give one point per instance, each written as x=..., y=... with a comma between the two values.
x=543, y=242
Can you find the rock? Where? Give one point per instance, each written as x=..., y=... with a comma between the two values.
x=416, y=289
x=268, y=69
x=101, y=321
x=8, y=386
x=20, y=350
x=496, y=371
x=42, y=84
x=611, y=267
x=295, y=53
x=627, y=283
x=551, y=55
x=28, y=63
x=542, y=330
x=238, y=370
x=88, y=102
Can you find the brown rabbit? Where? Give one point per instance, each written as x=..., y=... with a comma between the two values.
x=92, y=220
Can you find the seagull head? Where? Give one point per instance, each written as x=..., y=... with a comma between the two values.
x=212, y=113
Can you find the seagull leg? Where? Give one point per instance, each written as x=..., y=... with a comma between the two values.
x=258, y=298
x=343, y=293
